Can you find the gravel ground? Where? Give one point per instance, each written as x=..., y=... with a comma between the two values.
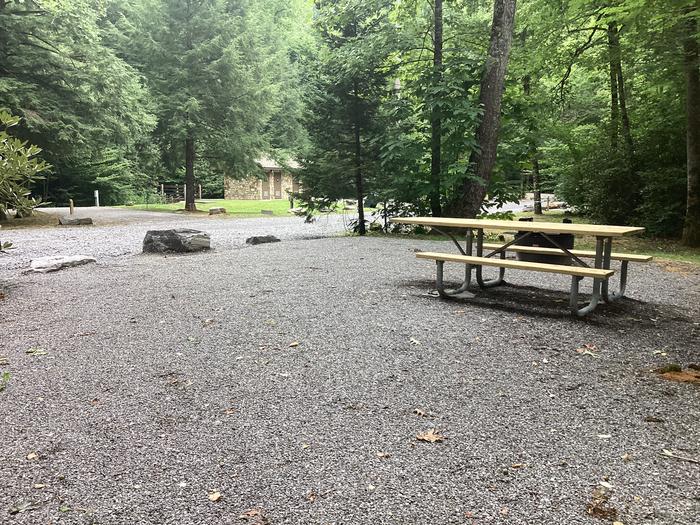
x=120, y=231
x=166, y=379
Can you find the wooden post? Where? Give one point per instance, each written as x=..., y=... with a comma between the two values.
x=70, y=206
x=200, y=191
x=162, y=189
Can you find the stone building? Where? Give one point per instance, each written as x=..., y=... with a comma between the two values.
x=276, y=183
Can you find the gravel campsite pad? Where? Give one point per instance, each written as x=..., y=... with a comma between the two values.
x=319, y=382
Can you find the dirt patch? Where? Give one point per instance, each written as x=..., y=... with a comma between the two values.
x=684, y=376
x=679, y=267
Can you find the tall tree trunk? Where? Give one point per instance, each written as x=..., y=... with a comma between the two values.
x=483, y=158
x=613, y=58
x=691, y=228
x=189, y=174
x=359, y=183
x=537, y=194
x=626, y=131
x=359, y=179
x=618, y=106
x=436, y=117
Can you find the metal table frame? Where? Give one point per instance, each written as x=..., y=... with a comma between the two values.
x=602, y=260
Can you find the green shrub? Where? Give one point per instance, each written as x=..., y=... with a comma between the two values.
x=663, y=200
x=19, y=169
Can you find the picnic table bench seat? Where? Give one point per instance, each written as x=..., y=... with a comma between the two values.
x=578, y=271
x=616, y=256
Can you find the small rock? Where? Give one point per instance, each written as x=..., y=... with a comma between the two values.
x=58, y=262
x=261, y=239
x=267, y=212
x=74, y=221
x=216, y=211
x=179, y=240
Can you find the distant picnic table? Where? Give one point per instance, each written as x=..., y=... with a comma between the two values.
x=542, y=240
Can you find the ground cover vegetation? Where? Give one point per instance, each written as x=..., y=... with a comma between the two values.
x=427, y=106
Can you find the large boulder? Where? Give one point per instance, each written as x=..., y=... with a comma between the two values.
x=58, y=262
x=216, y=211
x=180, y=240
x=261, y=239
x=67, y=220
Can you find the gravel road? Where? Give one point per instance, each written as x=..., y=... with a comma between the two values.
x=292, y=380
x=120, y=231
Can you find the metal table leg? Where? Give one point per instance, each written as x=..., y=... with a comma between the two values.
x=461, y=290
x=609, y=296
x=600, y=243
x=479, y=268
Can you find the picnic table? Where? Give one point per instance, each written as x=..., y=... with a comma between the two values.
x=473, y=230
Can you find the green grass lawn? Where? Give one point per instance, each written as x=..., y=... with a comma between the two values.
x=236, y=208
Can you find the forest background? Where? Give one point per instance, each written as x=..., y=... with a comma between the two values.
x=427, y=106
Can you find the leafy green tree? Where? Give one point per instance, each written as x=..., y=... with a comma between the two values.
x=76, y=96
x=349, y=83
x=19, y=169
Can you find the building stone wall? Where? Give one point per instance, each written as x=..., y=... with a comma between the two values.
x=243, y=189
x=251, y=187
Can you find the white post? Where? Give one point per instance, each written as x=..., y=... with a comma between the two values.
x=200, y=192
x=184, y=192
x=162, y=190
x=97, y=198
x=70, y=205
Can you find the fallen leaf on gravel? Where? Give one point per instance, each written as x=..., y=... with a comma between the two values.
x=305, y=446
x=419, y=412
x=19, y=508
x=64, y=508
x=518, y=465
x=35, y=351
x=504, y=511
x=208, y=322
x=254, y=514
x=617, y=523
x=383, y=455
x=599, y=506
x=230, y=411
x=4, y=361
x=414, y=341
x=626, y=457
x=32, y=456
x=588, y=349
x=293, y=344
x=214, y=496
x=653, y=419
x=668, y=453
x=605, y=484
x=311, y=496
x=94, y=402
x=39, y=485
x=604, y=436
x=431, y=436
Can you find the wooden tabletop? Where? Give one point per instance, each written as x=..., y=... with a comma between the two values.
x=545, y=227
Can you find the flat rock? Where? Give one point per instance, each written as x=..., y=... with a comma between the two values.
x=58, y=262
x=67, y=220
x=178, y=240
x=216, y=211
x=261, y=239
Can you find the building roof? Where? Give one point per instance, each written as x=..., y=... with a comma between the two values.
x=267, y=163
